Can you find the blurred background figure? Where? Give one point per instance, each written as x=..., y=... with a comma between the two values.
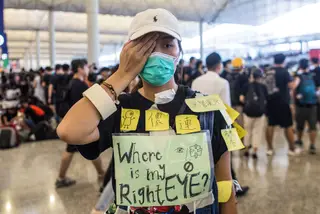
x=254, y=99
x=39, y=91
x=306, y=104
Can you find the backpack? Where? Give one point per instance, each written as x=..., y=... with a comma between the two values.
x=255, y=101
x=64, y=105
x=9, y=137
x=62, y=88
x=307, y=90
x=270, y=82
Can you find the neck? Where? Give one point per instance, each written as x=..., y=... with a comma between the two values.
x=214, y=71
x=278, y=66
x=78, y=76
x=149, y=91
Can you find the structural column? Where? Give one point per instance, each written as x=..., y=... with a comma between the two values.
x=201, y=39
x=93, y=31
x=38, y=49
x=30, y=57
x=52, y=38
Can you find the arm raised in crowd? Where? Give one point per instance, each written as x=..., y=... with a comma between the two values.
x=79, y=126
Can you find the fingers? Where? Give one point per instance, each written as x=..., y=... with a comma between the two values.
x=146, y=46
x=146, y=39
x=150, y=50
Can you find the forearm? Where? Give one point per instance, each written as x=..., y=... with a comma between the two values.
x=223, y=173
x=78, y=128
x=50, y=90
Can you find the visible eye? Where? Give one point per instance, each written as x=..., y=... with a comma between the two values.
x=168, y=45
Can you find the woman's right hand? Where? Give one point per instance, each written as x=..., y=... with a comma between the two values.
x=135, y=54
x=133, y=57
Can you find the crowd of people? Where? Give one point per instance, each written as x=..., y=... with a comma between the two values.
x=263, y=92
x=33, y=103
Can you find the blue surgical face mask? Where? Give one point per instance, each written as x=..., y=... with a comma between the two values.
x=159, y=69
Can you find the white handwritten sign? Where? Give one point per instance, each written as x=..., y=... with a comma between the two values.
x=162, y=170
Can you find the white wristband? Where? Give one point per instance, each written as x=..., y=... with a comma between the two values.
x=101, y=100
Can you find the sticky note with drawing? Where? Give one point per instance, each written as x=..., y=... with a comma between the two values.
x=232, y=113
x=224, y=191
x=205, y=103
x=187, y=123
x=157, y=120
x=232, y=139
x=241, y=131
x=129, y=119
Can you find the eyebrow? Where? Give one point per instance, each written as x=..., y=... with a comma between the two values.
x=167, y=37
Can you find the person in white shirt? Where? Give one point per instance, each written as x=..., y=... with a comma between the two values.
x=211, y=82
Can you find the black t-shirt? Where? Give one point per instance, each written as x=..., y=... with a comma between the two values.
x=236, y=81
x=282, y=77
x=188, y=71
x=316, y=76
x=60, y=84
x=137, y=101
x=76, y=90
x=46, y=79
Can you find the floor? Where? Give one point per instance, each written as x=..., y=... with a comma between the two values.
x=278, y=185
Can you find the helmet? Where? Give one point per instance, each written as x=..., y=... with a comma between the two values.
x=237, y=63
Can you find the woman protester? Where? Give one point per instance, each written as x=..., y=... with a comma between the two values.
x=153, y=53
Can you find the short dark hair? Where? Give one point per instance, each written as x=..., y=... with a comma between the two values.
x=225, y=63
x=192, y=58
x=257, y=73
x=48, y=68
x=303, y=64
x=199, y=62
x=104, y=69
x=92, y=77
x=279, y=59
x=65, y=67
x=213, y=60
x=58, y=67
x=78, y=63
x=315, y=60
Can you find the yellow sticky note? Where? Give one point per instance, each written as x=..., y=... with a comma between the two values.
x=129, y=119
x=232, y=113
x=241, y=131
x=205, y=103
x=232, y=139
x=187, y=123
x=224, y=191
x=157, y=120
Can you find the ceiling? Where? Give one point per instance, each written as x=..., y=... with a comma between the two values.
x=24, y=17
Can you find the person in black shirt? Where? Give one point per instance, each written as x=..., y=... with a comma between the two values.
x=278, y=105
x=58, y=87
x=8, y=116
x=78, y=86
x=82, y=125
x=46, y=82
x=227, y=68
x=178, y=75
x=254, y=98
x=189, y=71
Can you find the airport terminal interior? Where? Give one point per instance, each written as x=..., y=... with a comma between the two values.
x=159, y=106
